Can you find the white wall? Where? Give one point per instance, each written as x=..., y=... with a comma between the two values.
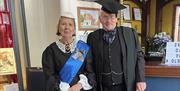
x=41, y=18
x=87, y=4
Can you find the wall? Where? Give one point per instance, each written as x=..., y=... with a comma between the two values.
x=168, y=17
x=41, y=19
x=152, y=18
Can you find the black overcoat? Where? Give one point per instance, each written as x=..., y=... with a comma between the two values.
x=133, y=59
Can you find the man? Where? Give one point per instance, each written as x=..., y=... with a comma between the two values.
x=119, y=62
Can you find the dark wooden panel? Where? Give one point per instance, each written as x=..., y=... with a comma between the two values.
x=35, y=79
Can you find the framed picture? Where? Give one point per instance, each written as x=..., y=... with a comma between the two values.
x=7, y=61
x=176, y=23
x=126, y=12
x=137, y=14
x=88, y=18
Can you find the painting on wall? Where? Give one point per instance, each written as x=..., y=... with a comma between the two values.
x=7, y=61
x=137, y=14
x=126, y=12
x=176, y=29
x=88, y=18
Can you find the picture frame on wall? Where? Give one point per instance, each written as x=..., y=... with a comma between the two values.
x=137, y=14
x=7, y=63
x=126, y=12
x=88, y=18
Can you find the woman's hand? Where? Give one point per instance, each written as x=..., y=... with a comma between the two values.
x=76, y=87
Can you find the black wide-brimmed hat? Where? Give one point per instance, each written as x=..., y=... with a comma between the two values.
x=110, y=6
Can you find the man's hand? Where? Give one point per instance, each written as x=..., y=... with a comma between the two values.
x=76, y=87
x=140, y=86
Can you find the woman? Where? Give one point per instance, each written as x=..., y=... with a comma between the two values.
x=57, y=58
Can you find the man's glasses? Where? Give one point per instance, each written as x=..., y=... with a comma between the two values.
x=107, y=17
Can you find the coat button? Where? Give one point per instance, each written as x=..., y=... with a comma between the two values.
x=113, y=83
x=110, y=64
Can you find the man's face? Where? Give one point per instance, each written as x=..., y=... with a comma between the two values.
x=108, y=21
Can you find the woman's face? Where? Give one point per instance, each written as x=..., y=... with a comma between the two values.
x=66, y=27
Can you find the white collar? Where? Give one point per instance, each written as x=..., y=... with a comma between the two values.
x=61, y=46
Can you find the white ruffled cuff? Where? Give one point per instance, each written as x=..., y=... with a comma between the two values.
x=64, y=86
x=84, y=82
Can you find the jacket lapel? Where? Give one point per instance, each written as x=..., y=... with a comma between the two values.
x=100, y=47
x=123, y=43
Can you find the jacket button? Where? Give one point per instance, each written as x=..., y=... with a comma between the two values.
x=113, y=83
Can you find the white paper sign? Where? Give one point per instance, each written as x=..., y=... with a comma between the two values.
x=172, y=53
x=11, y=87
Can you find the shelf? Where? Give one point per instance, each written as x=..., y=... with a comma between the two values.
x=155, y=69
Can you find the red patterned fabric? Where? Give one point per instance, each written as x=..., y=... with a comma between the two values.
x=6, y=40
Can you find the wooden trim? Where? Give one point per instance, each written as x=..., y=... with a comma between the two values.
x=173, y=20
x=157, y=70
x=158, y=16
